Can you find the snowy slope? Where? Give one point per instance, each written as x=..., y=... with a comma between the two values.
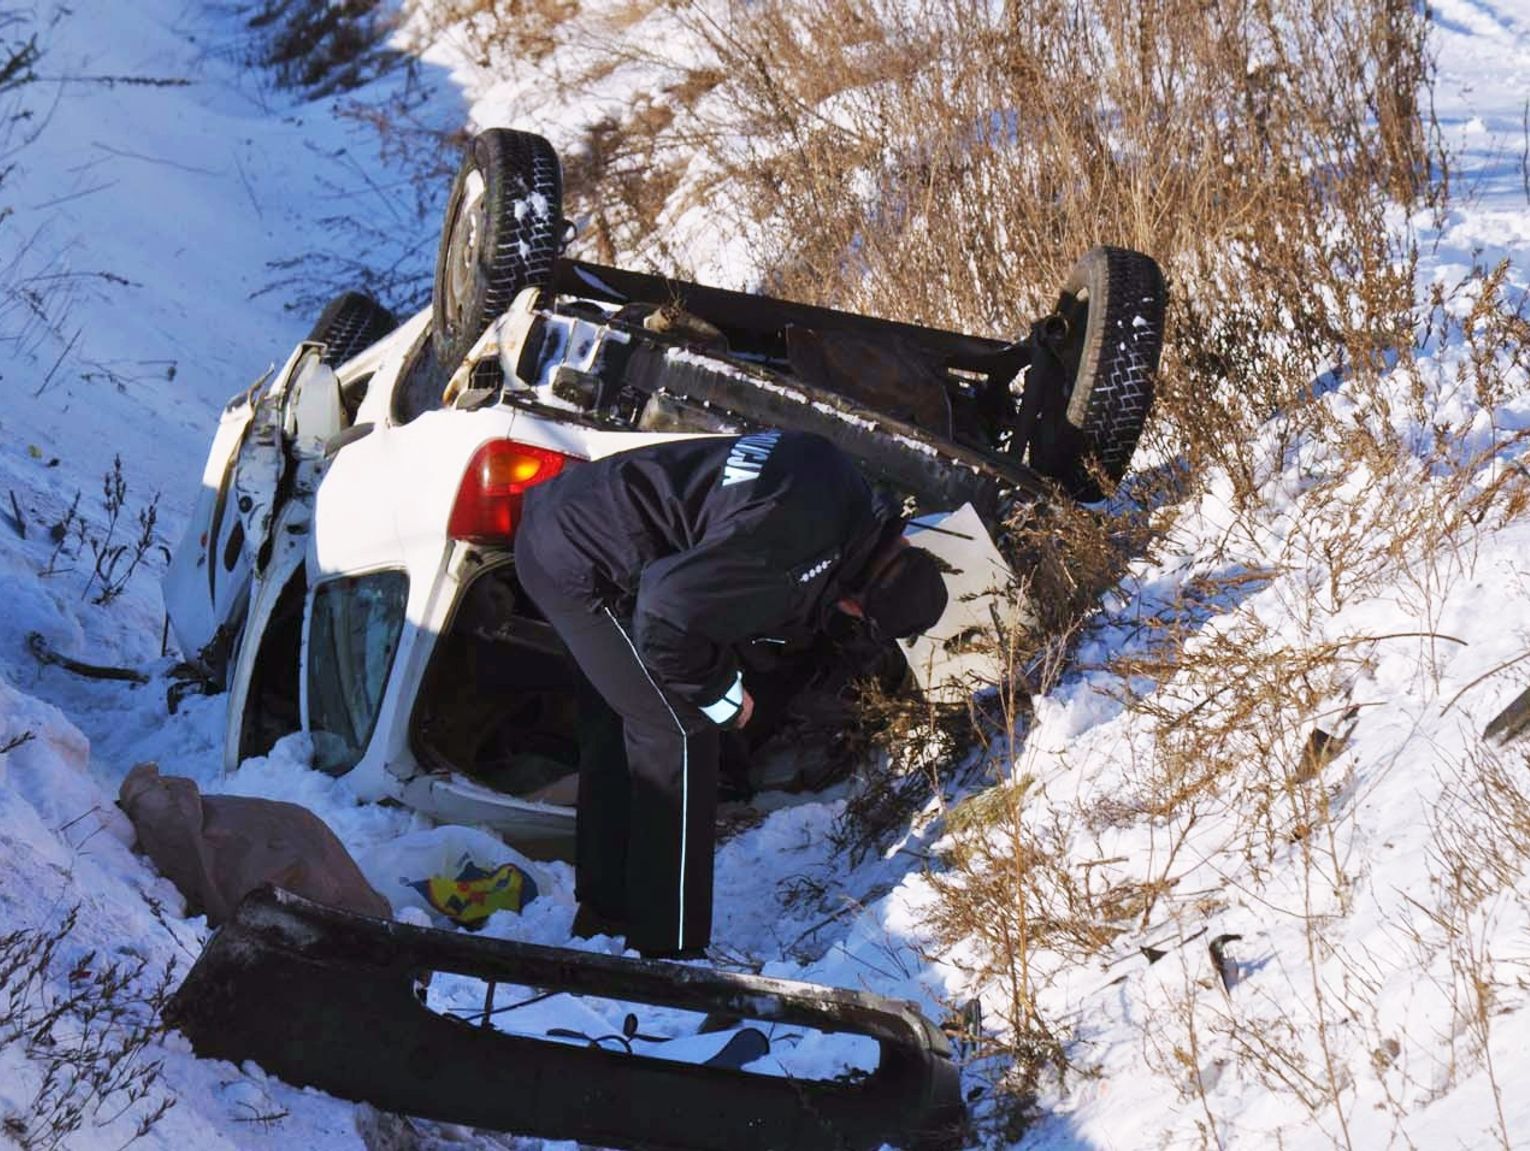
x=150, y=220
x=1373, y=907
x=162, y=186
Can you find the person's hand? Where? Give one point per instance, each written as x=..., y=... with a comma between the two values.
x=745, y=710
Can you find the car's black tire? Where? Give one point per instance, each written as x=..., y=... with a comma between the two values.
x=503, y=229
x=1112, y=304
x=349, y=324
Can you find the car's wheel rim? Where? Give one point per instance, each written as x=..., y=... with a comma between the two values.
x=467, y=231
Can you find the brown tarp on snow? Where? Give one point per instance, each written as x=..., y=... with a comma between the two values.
x=216, y=849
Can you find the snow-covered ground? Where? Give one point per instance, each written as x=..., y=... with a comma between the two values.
x=148, y=254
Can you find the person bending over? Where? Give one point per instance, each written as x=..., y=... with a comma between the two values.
x=658, y=567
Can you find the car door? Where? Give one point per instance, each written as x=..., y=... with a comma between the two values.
x=275, y=481
x=206, y=588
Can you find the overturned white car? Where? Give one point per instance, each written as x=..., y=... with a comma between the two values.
x=348, y=568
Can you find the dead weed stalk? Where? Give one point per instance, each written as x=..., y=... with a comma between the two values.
x=85, y=1028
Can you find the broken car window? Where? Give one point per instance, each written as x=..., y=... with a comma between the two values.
x=352, y=640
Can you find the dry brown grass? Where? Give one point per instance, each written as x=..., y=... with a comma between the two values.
x=947, y=162
x=499, y=31
x=936, y=162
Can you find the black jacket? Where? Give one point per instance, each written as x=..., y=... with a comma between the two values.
x=706, y=544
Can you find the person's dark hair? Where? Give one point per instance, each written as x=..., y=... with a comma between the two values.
x=907, y=595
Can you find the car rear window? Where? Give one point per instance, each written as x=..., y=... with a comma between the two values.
x=351, y=643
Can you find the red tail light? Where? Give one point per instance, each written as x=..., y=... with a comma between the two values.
x=488, y=502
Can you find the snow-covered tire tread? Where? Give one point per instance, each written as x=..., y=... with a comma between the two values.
x=350, y=323
x=1120, y=298
x=519, y=243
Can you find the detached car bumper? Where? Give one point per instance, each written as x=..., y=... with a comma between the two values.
x=327, y=998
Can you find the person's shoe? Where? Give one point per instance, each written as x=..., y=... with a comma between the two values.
x=588, y=923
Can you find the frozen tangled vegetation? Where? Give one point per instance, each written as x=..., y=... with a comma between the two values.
x=1228, y=859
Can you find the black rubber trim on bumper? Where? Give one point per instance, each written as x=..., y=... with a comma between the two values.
x=325, y=998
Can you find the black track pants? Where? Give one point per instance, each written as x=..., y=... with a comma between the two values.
x=646, y=824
